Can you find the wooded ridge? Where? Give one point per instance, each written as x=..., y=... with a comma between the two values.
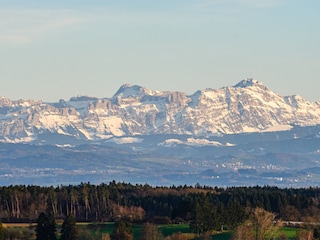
x=142, y=203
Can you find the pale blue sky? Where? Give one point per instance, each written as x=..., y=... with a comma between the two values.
x=53, y=50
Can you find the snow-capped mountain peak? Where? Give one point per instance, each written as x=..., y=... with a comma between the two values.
x=249, y=82
x=129, y=90
x=248, y=106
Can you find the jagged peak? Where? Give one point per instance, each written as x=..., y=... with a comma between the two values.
x=129, y=90
x=248, y=83
x=4, y=101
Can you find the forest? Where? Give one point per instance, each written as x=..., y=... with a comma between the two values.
x=203, y=208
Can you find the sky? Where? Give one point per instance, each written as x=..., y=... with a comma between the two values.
x=51, y=50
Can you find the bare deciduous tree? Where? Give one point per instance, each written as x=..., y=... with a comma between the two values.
x=261, y=225
x=305, y=235
x=150, y=232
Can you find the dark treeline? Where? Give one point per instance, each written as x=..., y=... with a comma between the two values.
x=141, y=203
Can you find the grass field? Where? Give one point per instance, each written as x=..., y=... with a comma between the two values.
x=222, y=236
x=96, y=229
x=165, y=229
x=174, y=228
x=290, y=232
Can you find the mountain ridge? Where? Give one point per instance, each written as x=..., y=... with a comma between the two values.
x=248, y=106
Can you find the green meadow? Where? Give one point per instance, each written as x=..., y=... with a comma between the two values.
x=170, y=229
x=95, y=230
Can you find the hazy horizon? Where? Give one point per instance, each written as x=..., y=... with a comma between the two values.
x=60, y=49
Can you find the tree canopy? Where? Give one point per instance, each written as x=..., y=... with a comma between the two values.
x=68, y=229
x=46, y=227
x=204, y=207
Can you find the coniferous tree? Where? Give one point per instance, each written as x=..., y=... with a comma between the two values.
x=234, y=214
x=46, y=227
x=68, y=229
x=316, y=233
x=203, y=216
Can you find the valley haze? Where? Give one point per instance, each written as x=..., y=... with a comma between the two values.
x=243, y=134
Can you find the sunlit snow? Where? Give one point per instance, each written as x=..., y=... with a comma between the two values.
x=126, y=140
x=278, y=128
x=193, y=142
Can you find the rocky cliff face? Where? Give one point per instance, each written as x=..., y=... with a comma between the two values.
x=248, y=106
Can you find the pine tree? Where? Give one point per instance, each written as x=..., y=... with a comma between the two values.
x=46, y=227
x=68, y=229
x=202, y=216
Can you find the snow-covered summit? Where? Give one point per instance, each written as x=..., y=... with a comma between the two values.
x=129, y=90
x=249, y=82
x=134, y=110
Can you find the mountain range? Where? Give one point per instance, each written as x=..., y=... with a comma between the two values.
x=248, y=106
x=236, y=135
